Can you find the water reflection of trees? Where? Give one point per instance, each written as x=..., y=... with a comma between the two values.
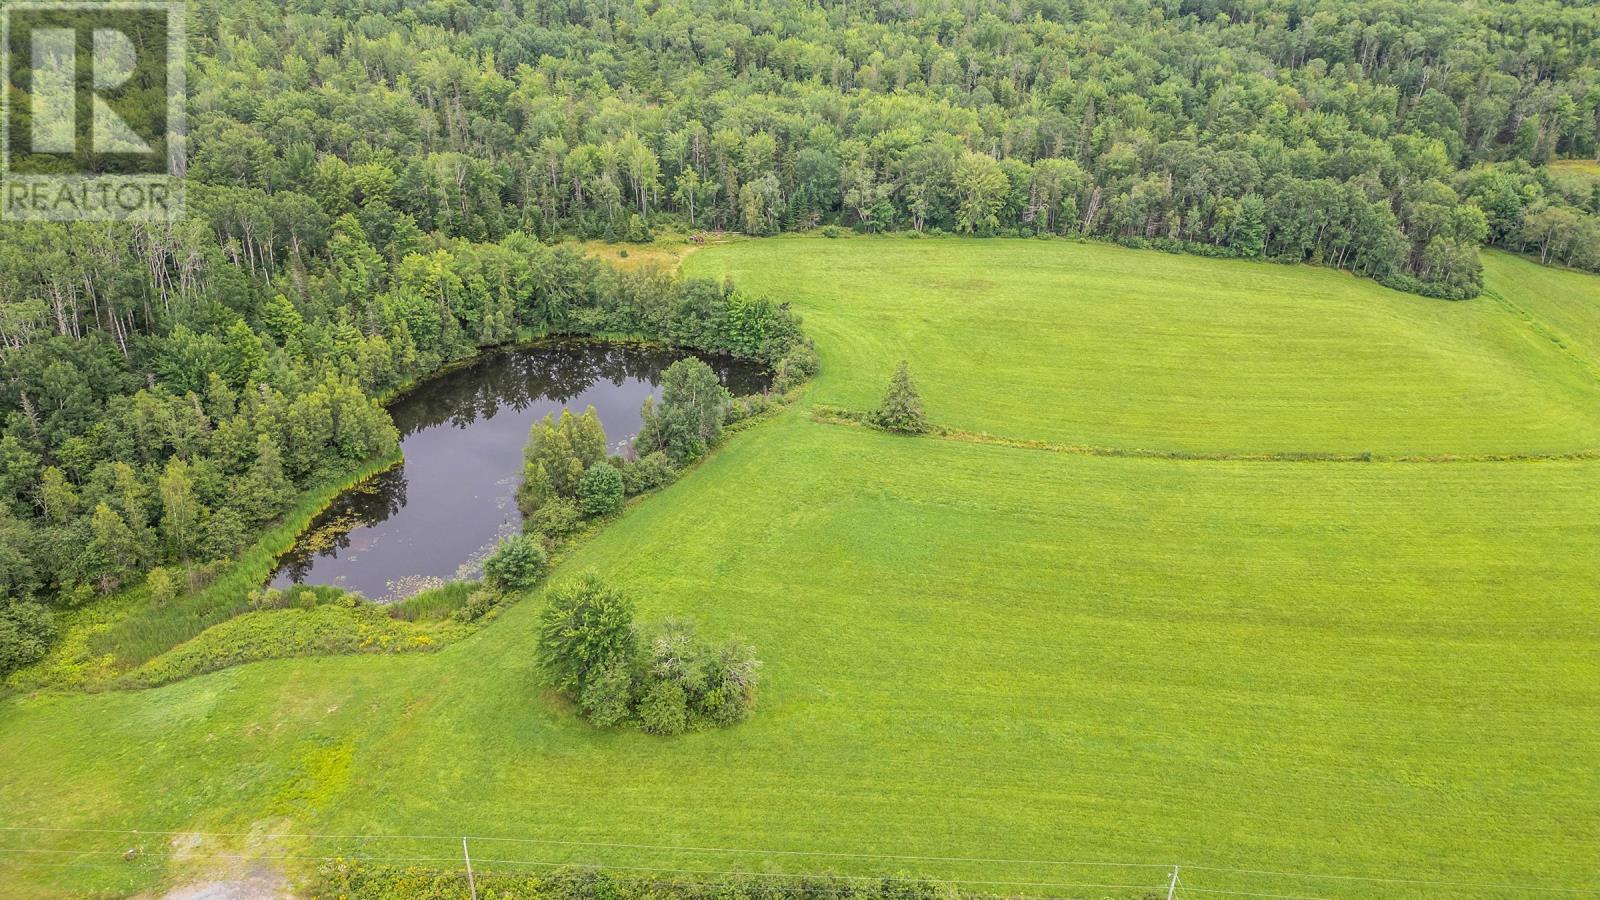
x=559, y=372
x=517, y=379
x=328, y=535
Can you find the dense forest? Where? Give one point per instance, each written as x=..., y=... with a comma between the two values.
x=375, y=186
x=1388, y=138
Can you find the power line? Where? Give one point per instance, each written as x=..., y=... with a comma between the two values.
x=609, y=845
x=805, y=853
x=1379, y=879
x=598, y=867
x=1252, y=894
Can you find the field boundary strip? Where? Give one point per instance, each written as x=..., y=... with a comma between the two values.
x=80, y=855
x=833, y=415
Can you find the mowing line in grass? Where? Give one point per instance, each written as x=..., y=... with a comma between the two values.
x=832, y=415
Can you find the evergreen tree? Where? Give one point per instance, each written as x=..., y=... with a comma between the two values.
x=517, y=564
x=601, y=491
x=901, y=409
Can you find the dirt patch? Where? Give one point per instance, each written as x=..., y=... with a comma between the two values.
x=261, y=882
x=229, y=867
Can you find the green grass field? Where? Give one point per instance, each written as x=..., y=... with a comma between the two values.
x=1101, y=345
x=1071, y=670
x=1560, y=304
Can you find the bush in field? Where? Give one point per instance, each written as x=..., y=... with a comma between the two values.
x=607, y=698
x=730, y=684
x=555, y=520
x=664, y=708
x=600, y=491
x=901, y=409
x=671, y=683
x=587, y=628
x=518, y=563
x=718, y=684
x=688, y=420
x=746, y=407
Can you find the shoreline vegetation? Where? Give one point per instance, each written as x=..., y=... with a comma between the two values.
x=220, y=626
x=79, y=660
x=331, y=621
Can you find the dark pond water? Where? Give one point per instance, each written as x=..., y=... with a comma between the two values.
x=432, y=518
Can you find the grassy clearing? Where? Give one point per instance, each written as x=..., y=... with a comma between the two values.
x=971, y=650
x=1097, y=344
x=1575, y=176
x=667, y=252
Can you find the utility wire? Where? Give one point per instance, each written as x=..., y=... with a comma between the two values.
x=1375, y=879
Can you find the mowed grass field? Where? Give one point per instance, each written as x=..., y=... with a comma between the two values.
x=1561, y=304
x=1041, y=673
x=1093, y=344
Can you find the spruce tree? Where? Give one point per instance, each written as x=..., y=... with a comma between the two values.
x=901, y=409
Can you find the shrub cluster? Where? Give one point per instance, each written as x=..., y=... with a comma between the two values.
x=517, y=564
x=664, y=681
x=567, y=477
x=559, y=451
x=795, y=368
x=601, y=490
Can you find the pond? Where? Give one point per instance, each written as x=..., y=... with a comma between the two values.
x=435, y=516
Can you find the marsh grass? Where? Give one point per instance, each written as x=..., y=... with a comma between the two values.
x=434, y=603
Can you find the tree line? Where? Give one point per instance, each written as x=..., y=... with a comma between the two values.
x=1342, y=133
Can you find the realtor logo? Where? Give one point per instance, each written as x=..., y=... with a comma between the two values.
x=92, y=123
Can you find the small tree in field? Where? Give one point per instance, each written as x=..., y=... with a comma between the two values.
x=587, y=629
x=667, y=682
x=901, y=409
